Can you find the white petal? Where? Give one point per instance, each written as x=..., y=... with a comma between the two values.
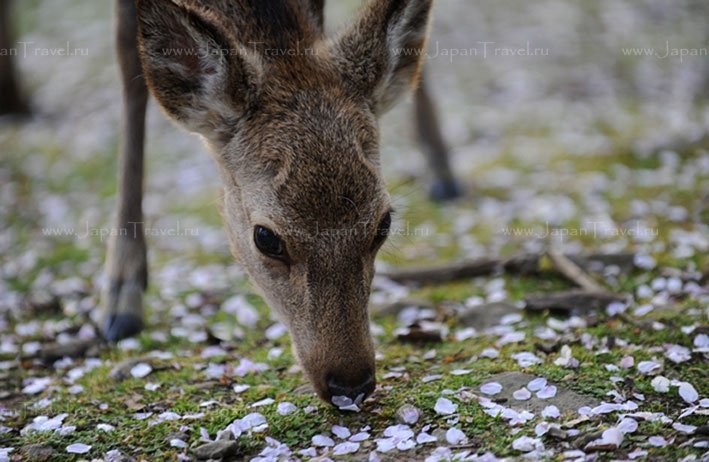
x=547, y=392
x=400, y=432
x=551, y=412
x=345, y=448
x=409, y=414
x=680, y=427
x=140, y=370
x=490, y=353
x=648, y=367
x=491, y=388
x=286, y=408
x=424, y=438
x=678, y=354
x=628, y=425
x=405, y=445
x=359, y=437
x=78, y=448
x=537, y=384
x=263, y=402
x=455, y=436
x=606, y=408
x=322, y=441
x=688, y=392
x=660, y=384
x=385, y=444
x=657, y=441
x=341, y=432
x=542, y=428
x=527, y=444
x=522, y=394
x=445, y=406
x=613, y=436
x=177, y=443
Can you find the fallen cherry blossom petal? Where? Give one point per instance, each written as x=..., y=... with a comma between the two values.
x=657, y=441
x=678, y=354
x=454, y=436
x=537, y=384
x=78, y=448
x=263, y=402
x=547, y=392
x=341, y=432
x=322, y=441
x=359, y=437
x=551, y=412
x=408, y=414
x=649, y=367
x=628, y=425
x=36, y=385
x=178, y=443
x=241, y=388
x=286, y=408
x=491, y=388
x=688, y=392
x=491, y=353
x=527, y=444
x=140, y=370
x=637, y=454
x=611, y=437
x=444, y=406
x=424, y=438
x=660, y=384
x=683, y=428
x=346, y=447
x=522, y=394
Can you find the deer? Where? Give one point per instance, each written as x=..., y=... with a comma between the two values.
x=290, y=117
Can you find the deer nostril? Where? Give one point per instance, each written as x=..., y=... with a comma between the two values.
x=355, y=391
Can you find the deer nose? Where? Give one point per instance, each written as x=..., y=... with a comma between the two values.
x=355, y=391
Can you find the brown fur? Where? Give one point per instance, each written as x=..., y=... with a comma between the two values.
x=295, y=137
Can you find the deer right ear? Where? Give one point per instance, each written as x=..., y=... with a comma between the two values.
x=381, y=53
x=198, y=73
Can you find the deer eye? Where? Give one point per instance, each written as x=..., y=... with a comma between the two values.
x=382, y=231
x=268, y=242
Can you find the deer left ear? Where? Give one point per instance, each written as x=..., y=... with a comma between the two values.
x=198, y=73
x=381, y=53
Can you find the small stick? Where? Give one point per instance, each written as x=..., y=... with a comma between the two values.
x=571, y=300
x=444, y=273
x=525, y=264
x=573, y=272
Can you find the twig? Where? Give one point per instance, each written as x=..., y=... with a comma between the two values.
x=445, y=273
x=571, y=300
x=573, y=272
x=523, y=264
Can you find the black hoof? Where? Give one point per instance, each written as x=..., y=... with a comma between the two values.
x=122, y=326
x=442, y=191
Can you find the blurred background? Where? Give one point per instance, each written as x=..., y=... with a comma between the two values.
x=574, y=114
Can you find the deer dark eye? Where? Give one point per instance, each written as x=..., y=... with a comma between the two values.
x=382, y=231
x=268, y=242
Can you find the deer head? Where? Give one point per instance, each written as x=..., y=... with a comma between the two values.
x=291, y=120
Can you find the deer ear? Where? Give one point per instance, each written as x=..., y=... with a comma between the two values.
x=201, y=77
x=381, y=53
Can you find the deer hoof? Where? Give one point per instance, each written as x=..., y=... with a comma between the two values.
x=122, y=311
x=443, y=191
x=122, y=326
